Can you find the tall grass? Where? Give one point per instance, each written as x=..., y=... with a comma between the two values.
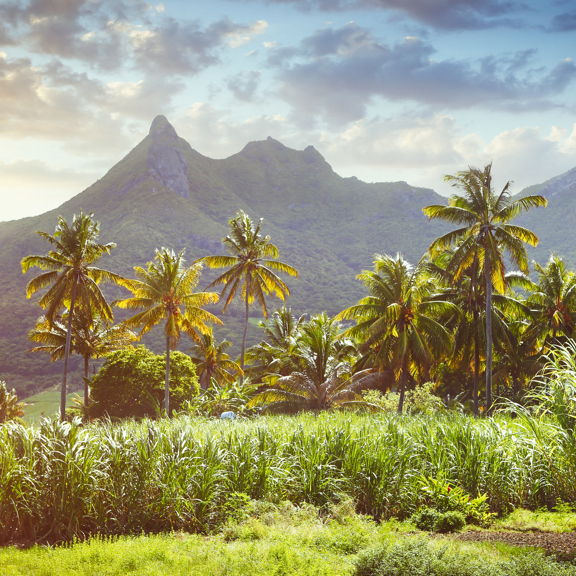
x=65, y=480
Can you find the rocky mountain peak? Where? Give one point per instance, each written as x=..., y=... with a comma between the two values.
x=166, y=159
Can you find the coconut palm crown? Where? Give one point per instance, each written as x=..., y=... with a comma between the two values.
x=164, y=291
x=483, y=235
x=251, y=268
x=72, y=279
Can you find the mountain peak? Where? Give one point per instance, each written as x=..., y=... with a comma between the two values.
x=160, y=125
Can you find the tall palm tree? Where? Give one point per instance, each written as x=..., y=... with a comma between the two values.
x=212, y=361
x=484, y=235
x=88, y=341
x=72, y=279
x=251, y=268
x=397, y=320
x=553, y=302
x=164, y=291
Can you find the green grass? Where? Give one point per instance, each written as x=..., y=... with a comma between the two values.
x=46, y=403
x=539, y=520
x=282, y=540
x=58, y=481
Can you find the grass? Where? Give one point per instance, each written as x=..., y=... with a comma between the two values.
x=45, y=404
x=279, y=540
x=563, y=520
x=60, y=481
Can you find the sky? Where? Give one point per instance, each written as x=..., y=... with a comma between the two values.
x=385, y=90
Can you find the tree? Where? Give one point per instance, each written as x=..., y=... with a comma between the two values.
x=164, y=291
x=250, y=268
x=130, y=383
x=10, y=408
x=323, y=378
x=553, y=303
x=484, y=235
x=212, y=361
x=274, y=354
x=396, y=321
x=74, y=282
x=88, y=341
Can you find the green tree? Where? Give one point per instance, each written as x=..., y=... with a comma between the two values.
x=274, y=354
x=131, y=381
x=212, y=361
x=397, y=321
x=88, y=340
x=553, y=303
x=10, y=408
x=73, y=280
x=164, y=291
x=323, y=378
x=483, y=236
x=251, y=268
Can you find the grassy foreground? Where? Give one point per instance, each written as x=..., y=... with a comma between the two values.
x=60, y=481
x=284, y=540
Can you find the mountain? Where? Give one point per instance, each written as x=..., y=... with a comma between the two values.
x=554, y=225
x=164, y=193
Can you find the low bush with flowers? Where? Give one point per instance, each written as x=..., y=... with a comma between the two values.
x=440, y=495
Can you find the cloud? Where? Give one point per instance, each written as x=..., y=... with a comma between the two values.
x=441, y=14
x=31, y=183
x=336, y=73
x=565, y=22
x=115, y=34
x=85, y=114
x=244, y=84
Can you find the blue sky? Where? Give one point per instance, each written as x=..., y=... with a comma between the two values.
x=385, y=89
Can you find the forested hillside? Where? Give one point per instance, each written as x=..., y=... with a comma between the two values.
x=164, y=193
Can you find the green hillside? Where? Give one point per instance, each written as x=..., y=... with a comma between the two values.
x=164, y=193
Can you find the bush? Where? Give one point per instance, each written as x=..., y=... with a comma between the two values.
x=426, y=519
x=449, y=522
x=123, y=386
x=421, y=400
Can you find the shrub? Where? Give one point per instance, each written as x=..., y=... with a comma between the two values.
x=449, y=522
x=131, y=382
x=421, y=400
x=426, y=519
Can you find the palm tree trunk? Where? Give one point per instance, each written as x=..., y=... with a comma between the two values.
x=86, y=398
x=402, y=388
x=476, y=360
x=67, y=352
x=488, y=334
x=245, y=331
x=167, y=383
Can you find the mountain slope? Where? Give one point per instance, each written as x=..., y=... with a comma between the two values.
x=164, y=193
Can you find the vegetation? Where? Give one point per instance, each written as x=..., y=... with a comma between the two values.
x=485, y=234
x=62, y=480
x=252, y=268
x=263, y=538
x=164, y=291
x=10, y=407
x=130, y=384
x=72, y=279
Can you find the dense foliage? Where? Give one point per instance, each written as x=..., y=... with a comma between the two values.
x=60, y=480
x=131, y=383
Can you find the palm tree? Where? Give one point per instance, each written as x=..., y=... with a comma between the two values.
x=250, y=269
x=212, y=361
x=396, y=320
x=553, y=302
x=322, y=379
x=164, y=291
x=275, y=353
x=72, y=279
x=88, y=341
x=484, y=235
x=10, y=407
